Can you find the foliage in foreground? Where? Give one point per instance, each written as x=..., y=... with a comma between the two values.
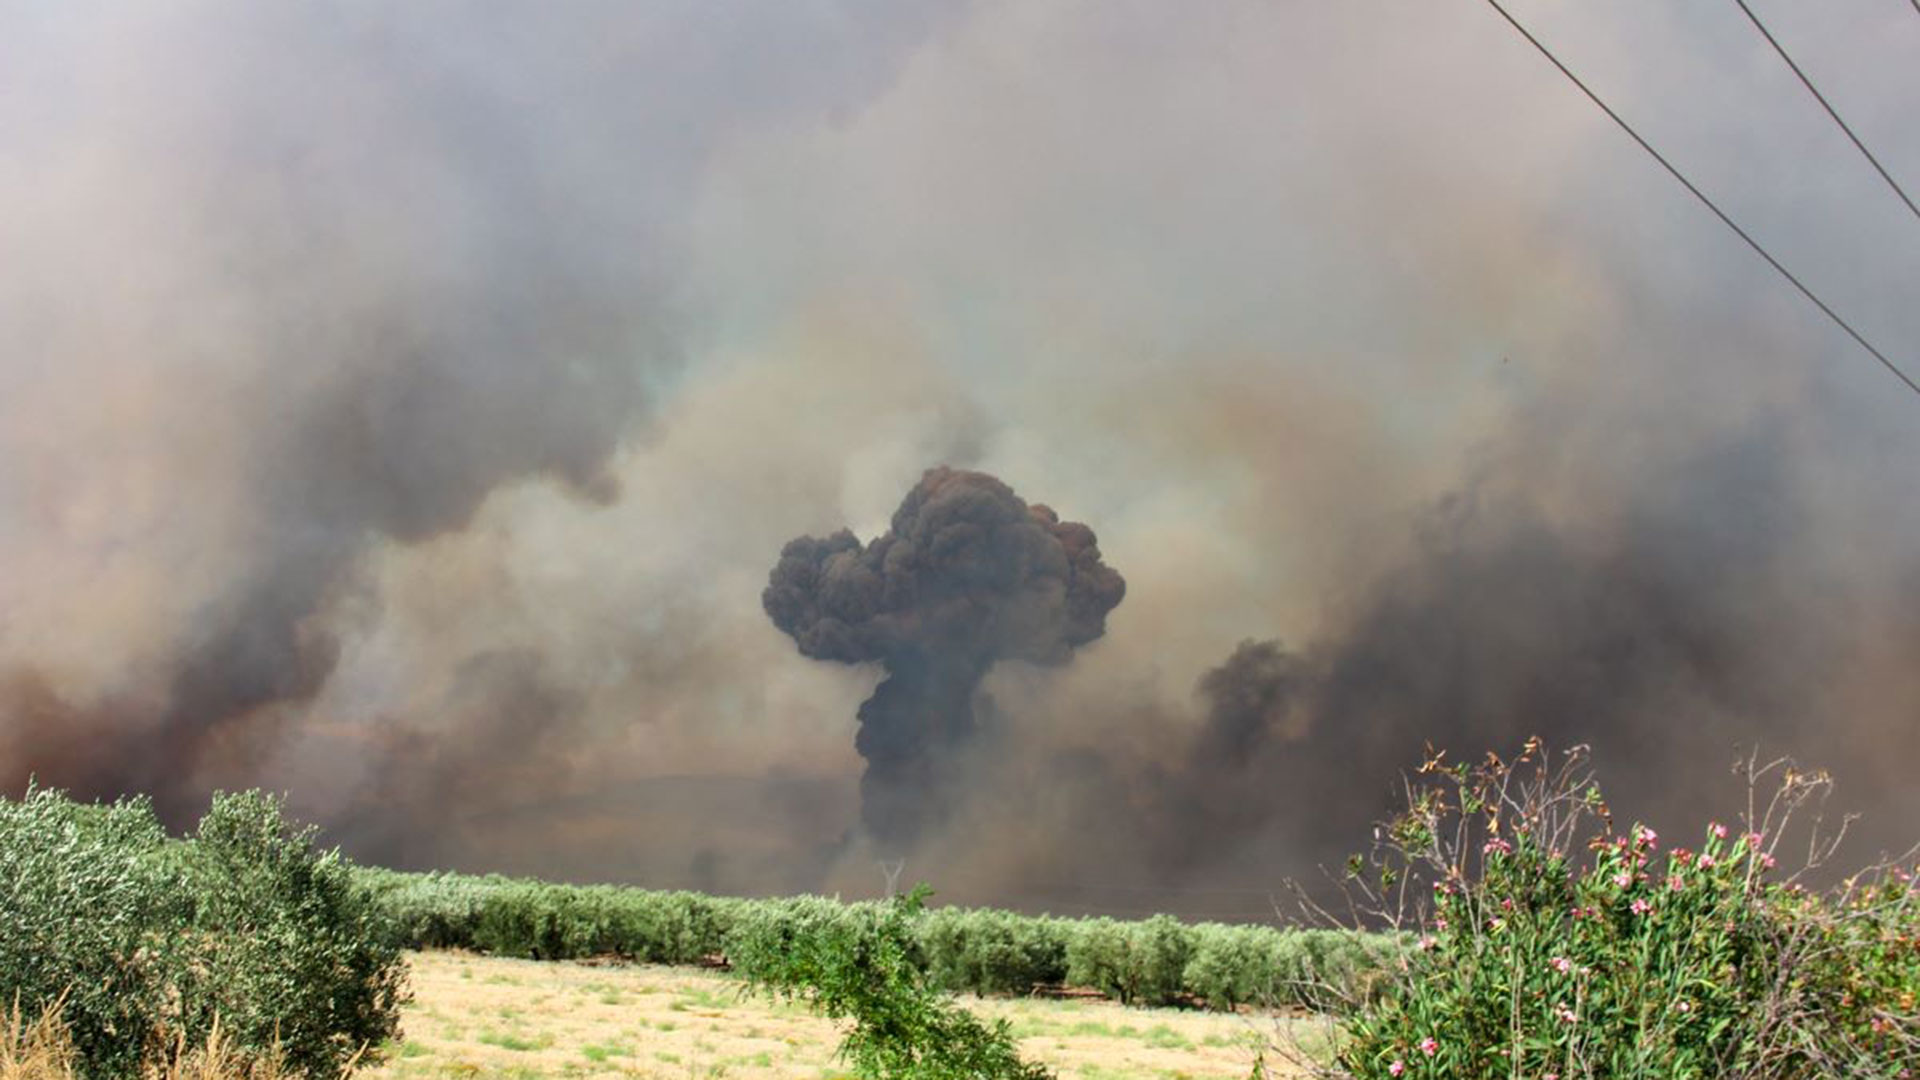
x=858, y=964
x=1553, y=947
x=146, y=944
x=1156, y=961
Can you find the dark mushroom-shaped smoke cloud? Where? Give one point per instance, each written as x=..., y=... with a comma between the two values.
x=967, y=576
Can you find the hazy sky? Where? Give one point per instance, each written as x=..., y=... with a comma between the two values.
x=403, y=406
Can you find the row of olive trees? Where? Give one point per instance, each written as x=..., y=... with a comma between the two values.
x=1154, y=961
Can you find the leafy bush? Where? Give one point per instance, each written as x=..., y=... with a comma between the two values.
x=86, y=909
x=857, y=963
x=766, y=934
x=144, y=943
x=286, y=948
x=1551, y=946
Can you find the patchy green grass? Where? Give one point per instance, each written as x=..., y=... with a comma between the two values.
x=476, y=1018
x=508, y=1040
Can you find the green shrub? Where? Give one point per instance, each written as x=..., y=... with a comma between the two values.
x=858, y=964
x=765, y=935
x=1552, y=946
x=285, y=945
x=143, y=940
x=85, y=909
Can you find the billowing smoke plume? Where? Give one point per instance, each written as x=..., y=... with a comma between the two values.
x=285, y=287
x=1691, y=627
x=400, y=403
x=968, y=575
x=1689, y=624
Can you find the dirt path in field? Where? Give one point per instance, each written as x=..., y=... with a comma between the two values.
x=476, y=1017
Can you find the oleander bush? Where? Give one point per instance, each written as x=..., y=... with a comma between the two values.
x=1550, y=945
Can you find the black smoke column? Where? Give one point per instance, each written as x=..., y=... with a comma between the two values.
x=967, y=576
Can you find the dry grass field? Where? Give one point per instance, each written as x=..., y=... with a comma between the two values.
x=476, y=1017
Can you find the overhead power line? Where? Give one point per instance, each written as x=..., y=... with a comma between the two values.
x=1821, y=98
x=1708, y=203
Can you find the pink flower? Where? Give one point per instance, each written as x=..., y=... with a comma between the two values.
x=1646, y=837
x=1429, y=1046
x=1497, y=845
x=1496, y=924
x=1623, y=879
x=1682, y=856
x=1718, y=830
x=1685, y=1007
x=1767, y=861
x=1549, y=1076
x=1674, y=882
x=1640, y=906
x=1706, y=862
x=1568, y=1016
x=1561, y=964
x=1753, y=839
x=1396, y=1068
x=1440, y=925
x=1428, y=941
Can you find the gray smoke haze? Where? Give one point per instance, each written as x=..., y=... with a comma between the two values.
x=400, y=406
x=1668, y=642
x=1672, y=640
x=287, y=284
x=967, y=576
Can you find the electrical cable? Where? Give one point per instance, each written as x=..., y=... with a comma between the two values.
x=1821, y=98
x=1708, y=203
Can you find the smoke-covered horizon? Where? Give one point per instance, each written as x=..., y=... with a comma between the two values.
x=401, y=408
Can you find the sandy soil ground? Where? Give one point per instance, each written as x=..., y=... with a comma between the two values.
x=476, y=1017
